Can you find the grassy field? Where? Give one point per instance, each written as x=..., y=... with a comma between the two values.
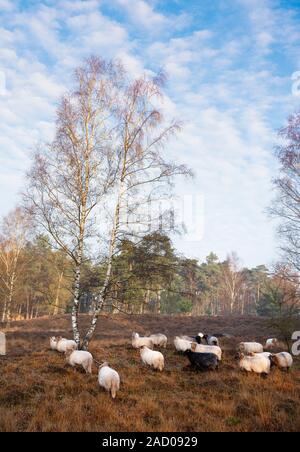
x=39, y=392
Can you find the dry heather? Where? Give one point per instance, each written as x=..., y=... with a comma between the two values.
x=38, y=392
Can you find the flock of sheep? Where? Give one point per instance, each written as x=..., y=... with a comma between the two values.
x=203, y=351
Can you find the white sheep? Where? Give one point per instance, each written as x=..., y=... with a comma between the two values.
x=65, y=344
x=258, y=364
x=153, y=359
x=270, y=343
x=80, y=358
x=53, y=343
x=159, y=339
x=109, y=379
x=250, y=347
x=282, y=360
x=266, y=354
x=199, y=348
x=274, y=343
x=182, y=345
x=138, y=342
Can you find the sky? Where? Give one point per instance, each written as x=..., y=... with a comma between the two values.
x=233, y=71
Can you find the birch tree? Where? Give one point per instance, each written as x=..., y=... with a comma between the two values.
x=287, y=185
x=14, y=233
x=69, y=177
x=110, y=136
x=231, y=281
x=143, y=173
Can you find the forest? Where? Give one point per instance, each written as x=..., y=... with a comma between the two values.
x=148, y=277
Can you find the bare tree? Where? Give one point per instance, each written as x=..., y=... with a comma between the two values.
x=109, y=139
x=283, y=298
x=287, y=203
x=142, y=174
x=69, y=178
x=13, y=236
x=231, y=281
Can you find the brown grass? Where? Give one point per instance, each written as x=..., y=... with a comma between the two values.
x=38, y=392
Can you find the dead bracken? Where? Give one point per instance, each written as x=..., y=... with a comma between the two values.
x=39, y=392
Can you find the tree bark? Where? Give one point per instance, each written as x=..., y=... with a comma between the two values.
x=10, y=298
x=56, y=306
x=75, y=307
x=103, y=292
x=4, y=310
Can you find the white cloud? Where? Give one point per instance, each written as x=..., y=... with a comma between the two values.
x=221, y=85
x=7, y=5
x=142, y=14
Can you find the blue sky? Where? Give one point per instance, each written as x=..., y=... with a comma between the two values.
x=230, y=65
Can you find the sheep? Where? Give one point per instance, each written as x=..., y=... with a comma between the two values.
x=258, y=364
x=64, y=344
x=266, y=354
x=274, y=343
x=80, y=358
x=159, y=339
x=211, y=340
x=182, y=345
x=282, y=360
x=53, y=343
x=109, y=379
x=199, y=348
x=270, y=343
x=138, y=342
x=202, y=361
x=153, y=359
x=199, y=338
x=250, y=347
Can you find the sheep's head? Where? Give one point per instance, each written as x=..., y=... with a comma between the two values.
x=199, y=338
x=53, y=339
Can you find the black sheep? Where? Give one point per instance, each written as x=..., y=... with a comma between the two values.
x=202, y=361
x=199, y=338
x=206, y=339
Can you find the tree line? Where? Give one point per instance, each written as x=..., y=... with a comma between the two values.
x=148, y=276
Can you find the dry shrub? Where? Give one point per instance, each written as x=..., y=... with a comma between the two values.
x=39, y=392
